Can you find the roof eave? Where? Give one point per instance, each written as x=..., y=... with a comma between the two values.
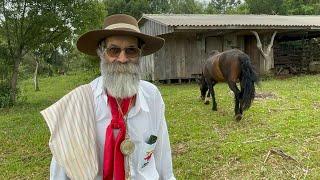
x=243, y=27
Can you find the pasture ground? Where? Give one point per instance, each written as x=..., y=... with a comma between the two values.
x=278, y=138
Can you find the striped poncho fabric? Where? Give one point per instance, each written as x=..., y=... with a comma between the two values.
x=73, y=139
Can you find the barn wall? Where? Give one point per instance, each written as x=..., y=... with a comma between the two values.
x=253, y=52
x=214, y=43
x=147, y=67
x=230, y=41
x=180, y=57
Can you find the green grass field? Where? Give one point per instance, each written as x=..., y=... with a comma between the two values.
x=205, y=144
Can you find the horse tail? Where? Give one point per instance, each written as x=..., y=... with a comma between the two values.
x=248, y=79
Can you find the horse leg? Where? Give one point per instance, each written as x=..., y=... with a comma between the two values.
x=207, y=99
x=211, y=91
x=236, y=91
x=214, y=103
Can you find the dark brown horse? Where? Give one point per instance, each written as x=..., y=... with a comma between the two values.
x=230, y=66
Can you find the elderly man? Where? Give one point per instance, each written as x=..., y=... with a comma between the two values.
x=113, y=127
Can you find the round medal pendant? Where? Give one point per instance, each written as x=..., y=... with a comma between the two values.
x=127, y=147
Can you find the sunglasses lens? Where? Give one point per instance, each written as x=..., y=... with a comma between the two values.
x=113, y=51
x=132, y=52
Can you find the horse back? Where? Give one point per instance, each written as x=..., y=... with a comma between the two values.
x=216, y=70
x=224, y=66
x=230, y=64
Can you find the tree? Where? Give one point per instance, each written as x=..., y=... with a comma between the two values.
x=222, y=6
x=138, y=7
x=159, y=6
x=266, y=51
x=302, y=7
x=186, y=7
x=266, y=7
x=282, y=7
x=134, y=8
x=26, y=25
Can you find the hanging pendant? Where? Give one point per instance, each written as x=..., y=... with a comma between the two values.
x=127, y=147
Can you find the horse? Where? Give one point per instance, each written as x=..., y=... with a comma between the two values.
x=230, y=66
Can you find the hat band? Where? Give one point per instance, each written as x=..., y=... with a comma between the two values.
x=122, y=25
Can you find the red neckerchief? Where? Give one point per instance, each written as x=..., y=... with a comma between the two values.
x=113, y=160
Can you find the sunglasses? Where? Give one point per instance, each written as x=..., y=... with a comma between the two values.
x=130, y=52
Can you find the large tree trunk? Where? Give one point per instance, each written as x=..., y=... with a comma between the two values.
x=35, y=78
x=266, y=52
x=14, y=79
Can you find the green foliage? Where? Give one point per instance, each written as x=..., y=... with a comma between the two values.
x=138, y=7
x=134, y=8
x=266, y=6
x=186, y=7
x=282, y=7
x=302, y=7
x=5, y=93
x=42, y=28
x=222, y=6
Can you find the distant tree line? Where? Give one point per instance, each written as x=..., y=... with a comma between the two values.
x=38, y=37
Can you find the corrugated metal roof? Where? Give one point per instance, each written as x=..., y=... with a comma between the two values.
x=233, y=20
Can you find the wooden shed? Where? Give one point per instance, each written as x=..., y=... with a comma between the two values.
x=189, y=39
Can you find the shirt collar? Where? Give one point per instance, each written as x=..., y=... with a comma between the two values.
x=141, y=102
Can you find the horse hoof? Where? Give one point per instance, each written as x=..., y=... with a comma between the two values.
x=214, y=109
x=238, y=117
x=206, y=102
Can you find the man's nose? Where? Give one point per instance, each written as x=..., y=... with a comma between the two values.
x=122, y=57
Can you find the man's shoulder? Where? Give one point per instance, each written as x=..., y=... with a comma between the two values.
x=148, y=87
x=96, y=82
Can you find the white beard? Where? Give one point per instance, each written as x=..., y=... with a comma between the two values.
x=121, y=80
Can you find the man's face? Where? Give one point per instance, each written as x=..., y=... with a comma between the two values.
x=120, y=66
x=122, y=49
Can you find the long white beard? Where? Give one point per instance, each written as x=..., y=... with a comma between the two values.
x=121, y=80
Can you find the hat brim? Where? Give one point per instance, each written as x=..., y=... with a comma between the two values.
x=88, y=42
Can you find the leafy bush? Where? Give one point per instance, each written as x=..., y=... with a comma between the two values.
x=5, y=93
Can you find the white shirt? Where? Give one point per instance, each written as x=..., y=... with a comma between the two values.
x=145, y=118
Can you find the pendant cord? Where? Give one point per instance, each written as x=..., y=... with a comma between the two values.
x=124, y=116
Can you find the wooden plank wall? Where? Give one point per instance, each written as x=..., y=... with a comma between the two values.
x=183, y=55
x=147, y=67
x=179, y=58
x=253, y=52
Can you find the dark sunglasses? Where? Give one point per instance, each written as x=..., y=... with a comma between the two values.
x=131, y=52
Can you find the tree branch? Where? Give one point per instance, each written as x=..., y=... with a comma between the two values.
x=271, y=42
x=7, y=30
x=259, y=45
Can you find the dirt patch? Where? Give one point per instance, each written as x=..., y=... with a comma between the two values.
x=180, y=148
x=316, y=105
x=265, y=95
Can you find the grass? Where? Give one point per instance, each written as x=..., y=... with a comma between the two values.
x=205, y=144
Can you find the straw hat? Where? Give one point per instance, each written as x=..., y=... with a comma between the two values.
x=118, y=24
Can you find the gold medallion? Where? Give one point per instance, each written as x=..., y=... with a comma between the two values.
x=127, y=147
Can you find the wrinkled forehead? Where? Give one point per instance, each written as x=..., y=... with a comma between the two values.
x=122, y=41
